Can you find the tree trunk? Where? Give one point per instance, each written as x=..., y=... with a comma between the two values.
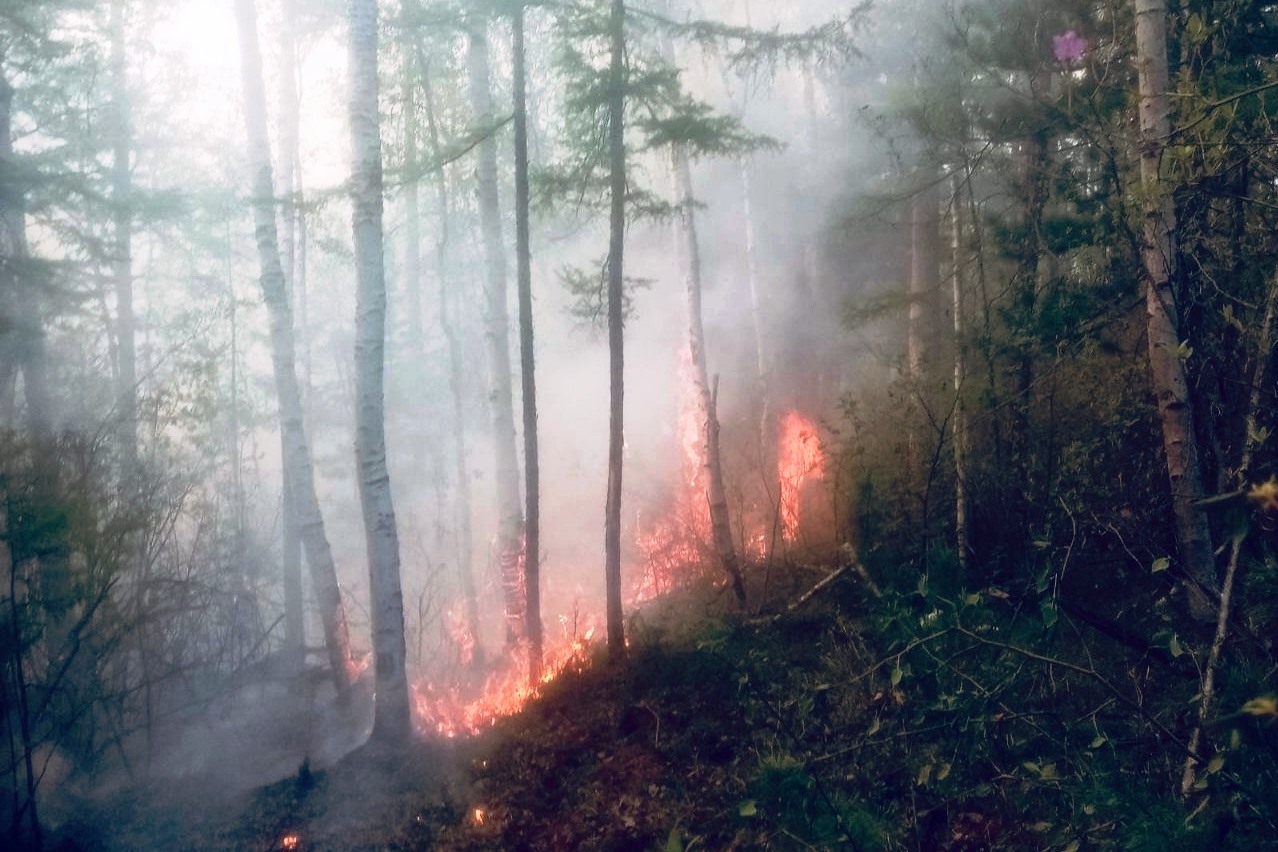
x=122, y=260
x=456, y=363
x=616, y=335
x=392, y=717
x=1166, y=364
x=961, y=539
x=690, y=250
x=290, y=121
x=510, y=519
x=297, y=458
x=527, y=358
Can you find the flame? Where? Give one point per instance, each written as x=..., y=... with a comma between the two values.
x=799, y=460
x=454, y=710
x=477, y=816
x=290, y=841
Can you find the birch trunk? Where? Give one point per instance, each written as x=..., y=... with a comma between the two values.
x=297, y=457
x=510, y=519
x=690, y=251
x=527, y=357
x=616, y=333
x=392, y=716
x=1167, y=367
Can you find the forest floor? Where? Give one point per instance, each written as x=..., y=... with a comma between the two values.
x=781, y=729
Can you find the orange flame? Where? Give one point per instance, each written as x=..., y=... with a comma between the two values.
x=453, y=710
x=290, y=841
x=799, y=460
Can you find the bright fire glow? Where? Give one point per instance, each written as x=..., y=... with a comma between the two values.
x=799, y=461
x=462, y=710
x=290, y=841
x=477, y=816
x=676, y=548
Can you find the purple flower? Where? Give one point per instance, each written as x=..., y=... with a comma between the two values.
x=1069, y=47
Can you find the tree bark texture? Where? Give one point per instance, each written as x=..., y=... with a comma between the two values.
x=1166, y=364
x=297, y=456
x=510, y=521
x=392, y=716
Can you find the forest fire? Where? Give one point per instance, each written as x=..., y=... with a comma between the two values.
x=675, y=547
x=799, y=461
x=462, y=710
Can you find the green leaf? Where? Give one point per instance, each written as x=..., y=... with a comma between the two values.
x=1098, y=742
x=674, y=842
x=1173, y=645
x=897, y=673
x=748, y=808
x=1162, y=563
x=1216, y=764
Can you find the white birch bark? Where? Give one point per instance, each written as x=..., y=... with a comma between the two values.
x=297, y=457
x=1166, y=364
x=392, y=715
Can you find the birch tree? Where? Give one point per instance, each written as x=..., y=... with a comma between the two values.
x=1166, y=355
x=297, y=456
x=392, y=717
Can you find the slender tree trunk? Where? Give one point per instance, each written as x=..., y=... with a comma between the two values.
x=297, y=458
x=616, y=333
x=510, y=521
x=392, y=718
x=122, y=260
x=962, y=545
x=527, y=358
x=720, y=525
x=1167, y=367
x=290, y=121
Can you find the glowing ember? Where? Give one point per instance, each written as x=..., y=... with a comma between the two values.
x=477, y=816
x=290, y=841
x=799, y=461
